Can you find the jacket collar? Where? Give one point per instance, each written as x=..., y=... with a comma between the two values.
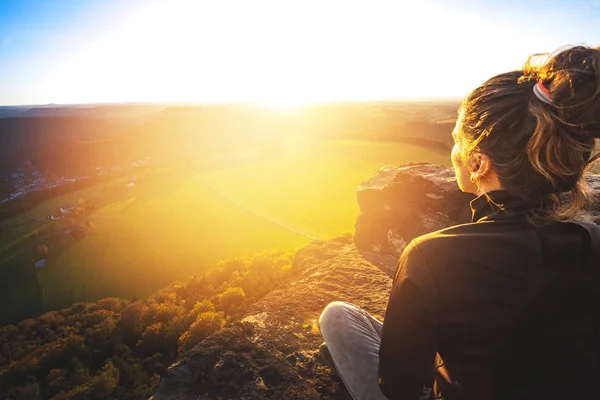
x=503, y=205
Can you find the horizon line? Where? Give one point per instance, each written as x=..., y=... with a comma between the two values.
x=250, y=103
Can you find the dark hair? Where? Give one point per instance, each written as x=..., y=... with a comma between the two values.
x=540, y=151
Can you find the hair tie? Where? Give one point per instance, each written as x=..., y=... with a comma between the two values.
x=542, y=93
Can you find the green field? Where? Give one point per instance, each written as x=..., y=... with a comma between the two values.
x=176, y=223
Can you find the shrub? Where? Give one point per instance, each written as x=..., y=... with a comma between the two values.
x=110, y=304
x=205, y=325
x=202, y=307
x=233, y=300
x=152, y=340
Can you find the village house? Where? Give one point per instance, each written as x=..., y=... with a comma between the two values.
x=66, y=208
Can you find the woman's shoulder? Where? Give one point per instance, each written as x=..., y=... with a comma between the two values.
x=594, y=231
x=460, y=241
x=468, y=230
x=438, y=242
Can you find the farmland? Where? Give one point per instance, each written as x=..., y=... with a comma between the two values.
x=175, y=222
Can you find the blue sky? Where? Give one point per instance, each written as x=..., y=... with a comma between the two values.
x=272, y=51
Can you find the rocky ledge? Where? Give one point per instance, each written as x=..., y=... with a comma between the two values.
x=271, y=353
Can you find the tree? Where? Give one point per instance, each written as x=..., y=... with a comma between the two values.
x=98, y=387
x=27, y=392
x=152, y=341
x=233, y=300
x=131, y=320
x=103, y=384
x=56, y=381
x=110, y=303
x=201, y=307
x=163, y=312
x=206, y=324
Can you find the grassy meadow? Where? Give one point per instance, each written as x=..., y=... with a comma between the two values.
x=176, y=223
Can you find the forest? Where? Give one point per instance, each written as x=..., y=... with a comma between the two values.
x=117, y=349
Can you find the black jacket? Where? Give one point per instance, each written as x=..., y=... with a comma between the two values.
x=512, y=309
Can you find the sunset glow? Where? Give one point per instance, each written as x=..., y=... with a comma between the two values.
x=186, y=184
x=279, y=53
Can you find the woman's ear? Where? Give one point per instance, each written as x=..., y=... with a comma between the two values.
x=485, y=165
x=483, y=174
x=474, y=162
x=480, y=165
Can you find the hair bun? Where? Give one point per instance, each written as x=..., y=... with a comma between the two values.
x=572, y=78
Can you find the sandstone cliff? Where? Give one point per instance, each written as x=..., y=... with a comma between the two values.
x=272, y=352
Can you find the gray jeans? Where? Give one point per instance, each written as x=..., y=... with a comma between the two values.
x=353, y=337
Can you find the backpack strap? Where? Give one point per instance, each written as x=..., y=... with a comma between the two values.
x=594, y=232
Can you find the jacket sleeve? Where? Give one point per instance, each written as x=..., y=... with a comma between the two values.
x=408, y=342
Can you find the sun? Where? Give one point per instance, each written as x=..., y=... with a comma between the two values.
x=287, y=105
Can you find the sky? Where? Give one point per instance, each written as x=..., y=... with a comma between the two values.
x=275, y=52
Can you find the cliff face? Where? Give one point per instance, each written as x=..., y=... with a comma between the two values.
x=272, y=352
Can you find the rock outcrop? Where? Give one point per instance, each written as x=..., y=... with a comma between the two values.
x=407, y=202
x=592, y=214
x=398, y=204
x=271, y=352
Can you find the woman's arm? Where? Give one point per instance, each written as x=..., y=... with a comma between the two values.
x=408, y=343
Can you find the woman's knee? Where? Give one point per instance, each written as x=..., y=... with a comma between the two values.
x=334, y=312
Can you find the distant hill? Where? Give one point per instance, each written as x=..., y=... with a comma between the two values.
x=74, y=140
x=63, y=144
x=85, y=111
x=184, y=129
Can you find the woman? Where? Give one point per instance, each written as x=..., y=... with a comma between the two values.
x=511, y=301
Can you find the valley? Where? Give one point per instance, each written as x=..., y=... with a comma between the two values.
x=130, y=236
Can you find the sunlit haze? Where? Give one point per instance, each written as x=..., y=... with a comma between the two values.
x=186, y=184
x=282, y=53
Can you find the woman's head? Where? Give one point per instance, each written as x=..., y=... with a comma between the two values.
x=509, y=137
